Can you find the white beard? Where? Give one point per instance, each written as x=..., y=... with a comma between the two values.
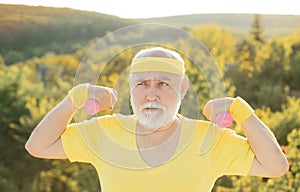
x=155, y=118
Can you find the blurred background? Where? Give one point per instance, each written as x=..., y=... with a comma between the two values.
x=42, y=46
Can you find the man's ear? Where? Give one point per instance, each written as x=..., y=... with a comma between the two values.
x=184, y=87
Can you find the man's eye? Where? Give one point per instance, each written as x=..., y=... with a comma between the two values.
x=163, y=84
x=141, y=83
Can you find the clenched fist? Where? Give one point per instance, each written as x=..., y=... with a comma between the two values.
x=106, y=97
x=215, y=106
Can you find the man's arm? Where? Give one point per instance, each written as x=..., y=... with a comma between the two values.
x=269, y=159
x=45, y=142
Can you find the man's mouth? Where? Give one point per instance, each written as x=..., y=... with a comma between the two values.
x=151, y=109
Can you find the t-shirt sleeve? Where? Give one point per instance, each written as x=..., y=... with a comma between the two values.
x=74, y=146
x=232, y=154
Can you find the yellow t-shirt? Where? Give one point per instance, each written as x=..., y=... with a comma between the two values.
x=204, y=152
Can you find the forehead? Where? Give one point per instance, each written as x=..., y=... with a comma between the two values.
x=143, y=76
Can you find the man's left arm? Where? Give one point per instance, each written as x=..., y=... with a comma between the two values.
x=269, y=160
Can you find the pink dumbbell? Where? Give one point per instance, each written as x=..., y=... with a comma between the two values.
x=92, y=106
x=224, y=119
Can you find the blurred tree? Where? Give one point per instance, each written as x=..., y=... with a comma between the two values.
x=275, y=63
x=12, y=106
x=261, y=73
x=256, y=31
x=294, y=74
x=63, y=176
x=14, y=56
x=256, y=70
x=282, y=122
x=270, y=78
x=14, y=163
x=219, y=41
x=2, y=63
x=248, y=62
x=241, y=74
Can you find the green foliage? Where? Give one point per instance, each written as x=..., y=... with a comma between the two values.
x=256, y=31
x=12, y=104
x=265, y=74
x=294, y=75
x=219, y=41
x=7, y=182
x=284, y=121
x=14, y=164
x=63, y=176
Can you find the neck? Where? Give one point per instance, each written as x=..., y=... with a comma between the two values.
x=158, y=138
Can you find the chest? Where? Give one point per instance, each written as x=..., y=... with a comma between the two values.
x=156, y=150
x=186, y=172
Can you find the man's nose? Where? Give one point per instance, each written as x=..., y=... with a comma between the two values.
x=152, y=93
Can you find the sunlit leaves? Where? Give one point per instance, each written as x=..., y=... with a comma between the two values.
x=219, y=41
x=265, y=74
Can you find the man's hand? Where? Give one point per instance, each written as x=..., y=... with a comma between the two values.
x=106, y=97
x=215, y=106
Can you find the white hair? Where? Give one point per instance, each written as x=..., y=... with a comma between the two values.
x=158, y=52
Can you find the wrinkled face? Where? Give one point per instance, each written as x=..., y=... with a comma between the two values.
x=156, y=97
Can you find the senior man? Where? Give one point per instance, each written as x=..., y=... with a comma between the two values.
x=157, y=149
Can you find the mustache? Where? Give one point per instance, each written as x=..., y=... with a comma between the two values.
x=152, y=105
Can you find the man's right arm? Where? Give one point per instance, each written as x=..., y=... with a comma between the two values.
x=44, y=141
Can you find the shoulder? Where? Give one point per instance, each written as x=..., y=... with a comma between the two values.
x=117, y=120
x=200, y=125
x=105, y=122
x=107, y=119
x=208, y=133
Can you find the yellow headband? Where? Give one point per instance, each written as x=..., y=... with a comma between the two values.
x=157, y=64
